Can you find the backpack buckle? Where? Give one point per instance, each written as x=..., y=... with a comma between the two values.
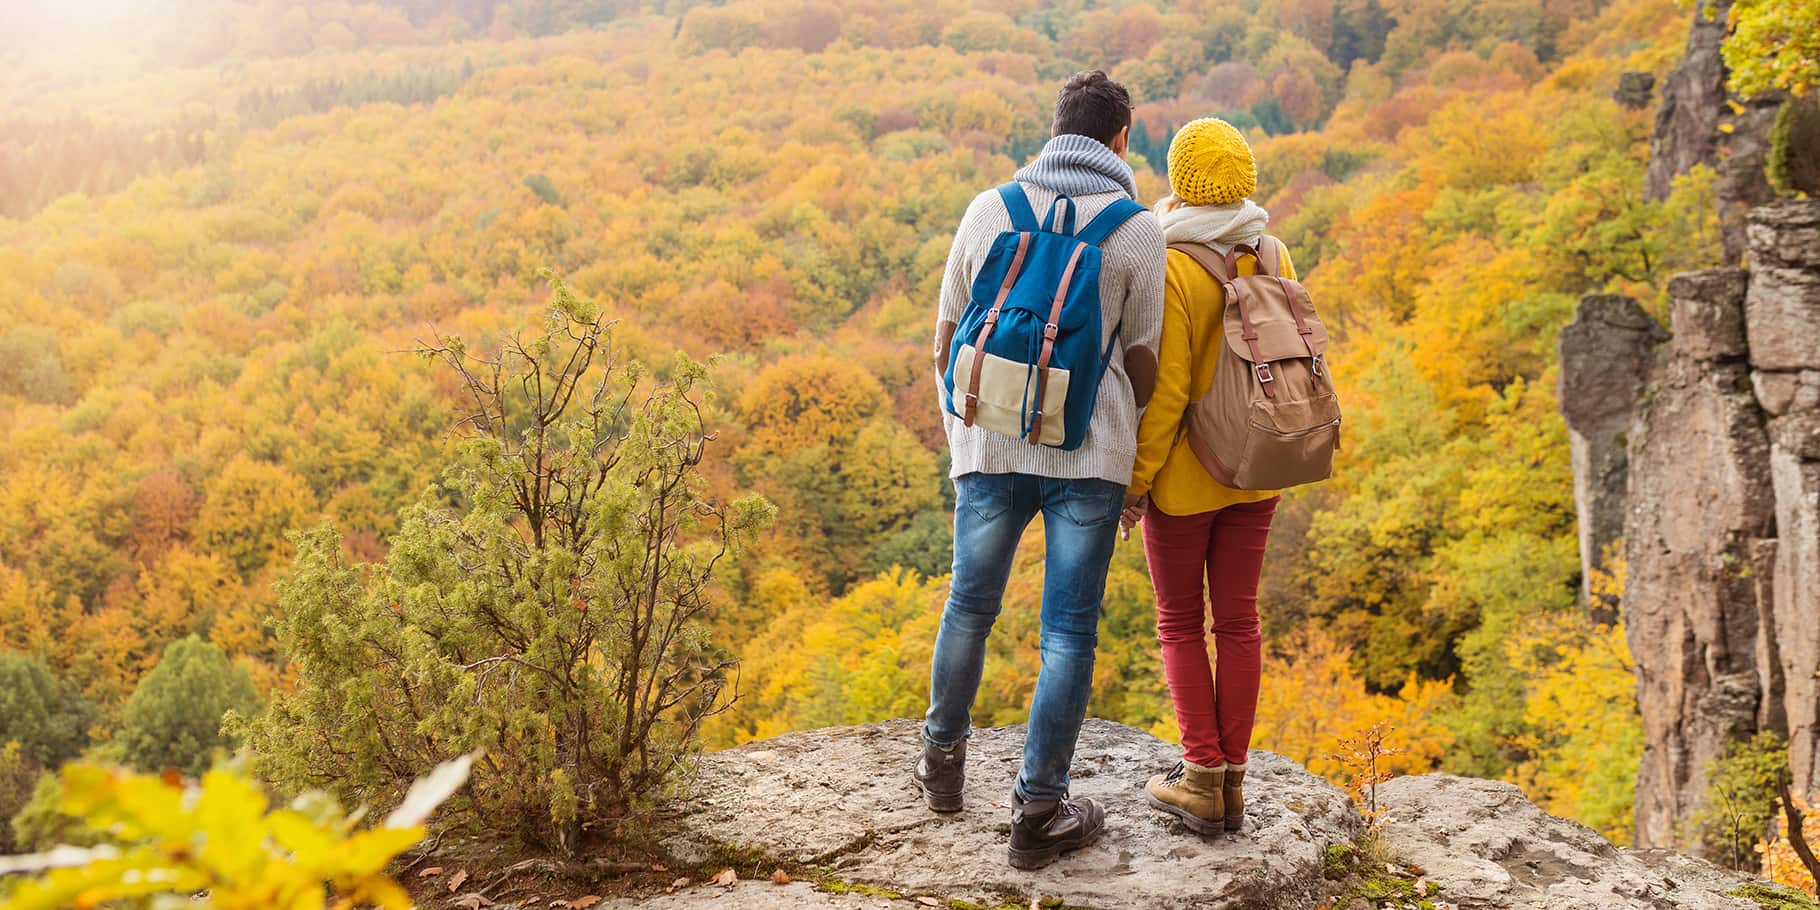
x=1263, y=373
x=1050, y=330
x=1320, y=365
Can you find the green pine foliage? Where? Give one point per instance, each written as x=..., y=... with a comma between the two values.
x=46, y=716
x=174, y=717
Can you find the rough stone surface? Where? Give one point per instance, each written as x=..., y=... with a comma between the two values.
x=1606, y=354
x=1742, y=186
x=1707, y=313
x=1797, y=606
x=1787, y=393
x=1635, y=89
x=748, y=895
x=1782, y=318
x=1772, y=708
x=1699, y=498
x=1786, y=234
x=1693, y=95
x=841, y=799
x=1489, y=847
x=1798, y=434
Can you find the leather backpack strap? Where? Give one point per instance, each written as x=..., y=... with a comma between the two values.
x=1270, y=256
x=1207, y=259
x=1050, y=331
x=985, y=333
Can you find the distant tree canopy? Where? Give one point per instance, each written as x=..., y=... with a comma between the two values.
x=46, y=716
x=203, y=297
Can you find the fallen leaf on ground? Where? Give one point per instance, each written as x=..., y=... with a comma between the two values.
x=473, y=900
x=582, y=903
x=679, y=883
x=659, y=867
x=433, y=870
x=726, y=877
x=780, y=877
x=461, y=875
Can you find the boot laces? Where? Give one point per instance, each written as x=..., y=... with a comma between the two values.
x=1176, y=774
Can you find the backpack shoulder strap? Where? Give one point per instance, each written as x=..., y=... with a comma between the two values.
x=1108, y=220
x=1023, y=218
x=1270, y=256
x=1207, y=258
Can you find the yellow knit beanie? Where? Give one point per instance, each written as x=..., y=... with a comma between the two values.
x=1210, y=163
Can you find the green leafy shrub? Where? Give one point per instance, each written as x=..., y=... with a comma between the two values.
x=160, y=842
x=173, y=719
x=1794, y=147
x=18, y=776
x=546, y=602
x=40, y=823
x=46, y=716
x=1740, y=803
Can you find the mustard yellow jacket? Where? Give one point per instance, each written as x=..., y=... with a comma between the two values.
x=1194, y=309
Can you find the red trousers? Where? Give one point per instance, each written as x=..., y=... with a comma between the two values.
x=1216, y=702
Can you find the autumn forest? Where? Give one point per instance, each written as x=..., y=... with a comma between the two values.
x=258, y=256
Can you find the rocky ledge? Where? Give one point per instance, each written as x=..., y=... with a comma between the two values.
x=837, y=806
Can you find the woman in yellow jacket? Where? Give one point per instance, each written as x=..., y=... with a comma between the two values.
x=1193, y=526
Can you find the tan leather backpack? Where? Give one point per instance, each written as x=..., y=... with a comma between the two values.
x=1271, y=419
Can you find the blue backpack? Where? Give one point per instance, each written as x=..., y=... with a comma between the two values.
x=1026, y=358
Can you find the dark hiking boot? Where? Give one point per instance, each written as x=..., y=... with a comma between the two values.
x=940, y=774
x=1232, y=793
x=1041, y=832
x=1193, y=794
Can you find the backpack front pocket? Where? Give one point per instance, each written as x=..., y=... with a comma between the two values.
x=1007, y=395
x=1289, y=443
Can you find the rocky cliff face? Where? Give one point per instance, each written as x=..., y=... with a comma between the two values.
x=1720, y=505
x=836, y=807
x=1687, y=132
x=1607, y=354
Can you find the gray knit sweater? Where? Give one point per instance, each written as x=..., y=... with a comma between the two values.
x=1131, y=298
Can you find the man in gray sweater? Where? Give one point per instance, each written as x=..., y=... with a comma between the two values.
x=1004, y=482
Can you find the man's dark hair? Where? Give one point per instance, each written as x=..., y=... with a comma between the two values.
x=1091, y=104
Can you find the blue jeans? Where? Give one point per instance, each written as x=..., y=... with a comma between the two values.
x=1080, y=522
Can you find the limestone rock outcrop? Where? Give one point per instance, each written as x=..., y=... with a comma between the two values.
x=1721, y=507
x=841, y=799
x=1687, y=131
x=835, y=806
x=1782, y=314
x=1693, y=99
x=1606, y=357
x=1488, y=846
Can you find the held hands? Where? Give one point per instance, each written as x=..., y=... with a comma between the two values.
x=1135, y=506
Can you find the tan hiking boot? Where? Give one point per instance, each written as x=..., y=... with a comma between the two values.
x=1192, y=793
x=1232, y=791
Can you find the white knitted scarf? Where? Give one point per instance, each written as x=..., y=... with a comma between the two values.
x=1218, y=226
